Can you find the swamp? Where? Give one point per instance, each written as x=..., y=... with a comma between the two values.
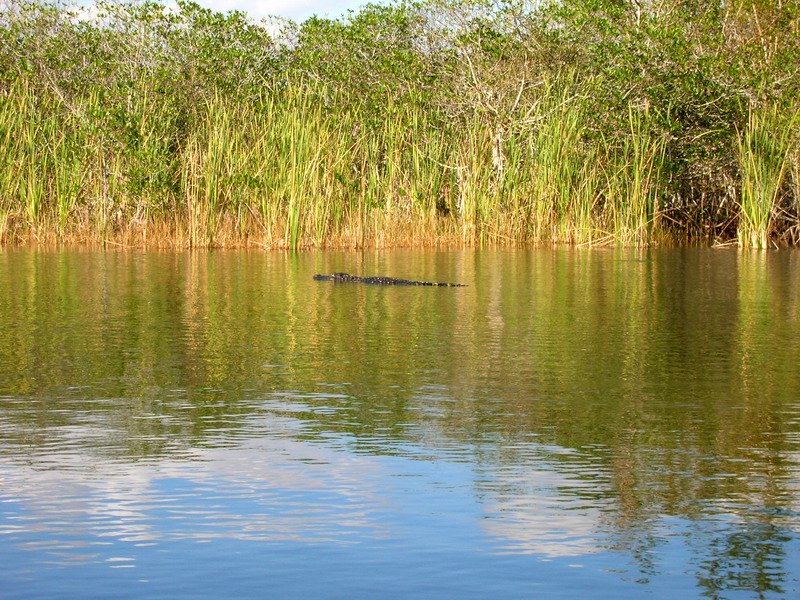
x=442, y=122
x=571, y=423
x=604, y=401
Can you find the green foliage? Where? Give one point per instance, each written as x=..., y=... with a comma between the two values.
x=368, y=57
x=476, y=120
x=764, y=149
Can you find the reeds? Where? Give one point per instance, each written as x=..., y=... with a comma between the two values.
x=40, y=160
x=795, y=228
x=147, y=126
x=287, y=173
x=764, y=154
x=296, y=169
x=633, y=183
x=563, y=185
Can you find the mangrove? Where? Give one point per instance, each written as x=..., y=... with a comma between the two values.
x=437, y=122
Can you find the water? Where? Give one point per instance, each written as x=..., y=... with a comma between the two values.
x=574, y=423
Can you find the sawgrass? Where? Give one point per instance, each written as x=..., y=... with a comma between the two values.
x=290, y=171
x=764, y=149
x=633, y=184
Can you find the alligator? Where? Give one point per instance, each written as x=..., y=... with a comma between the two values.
x=347, y=278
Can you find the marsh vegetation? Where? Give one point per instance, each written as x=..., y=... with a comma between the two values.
x=434, y=122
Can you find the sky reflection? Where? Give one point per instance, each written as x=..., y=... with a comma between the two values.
x=210, y=424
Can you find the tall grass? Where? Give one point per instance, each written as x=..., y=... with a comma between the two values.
x=209, y=164
x=563, y=189
x=41, y=160
x=293, y=170
x=287, y=172
x=395, y=125
x=764, y=153
x=633, y=183
x=795, y=229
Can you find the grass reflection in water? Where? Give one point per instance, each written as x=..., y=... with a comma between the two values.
x=632, y=414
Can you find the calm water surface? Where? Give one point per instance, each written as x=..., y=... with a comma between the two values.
x=573, y=423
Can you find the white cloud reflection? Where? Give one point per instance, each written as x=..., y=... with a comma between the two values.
x=275, y=487
x=539, y=504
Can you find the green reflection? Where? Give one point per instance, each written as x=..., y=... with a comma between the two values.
x=643, y=384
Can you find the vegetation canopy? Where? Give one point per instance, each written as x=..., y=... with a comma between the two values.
x=628, y=122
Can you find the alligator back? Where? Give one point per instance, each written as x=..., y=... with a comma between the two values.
x=347, y=278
